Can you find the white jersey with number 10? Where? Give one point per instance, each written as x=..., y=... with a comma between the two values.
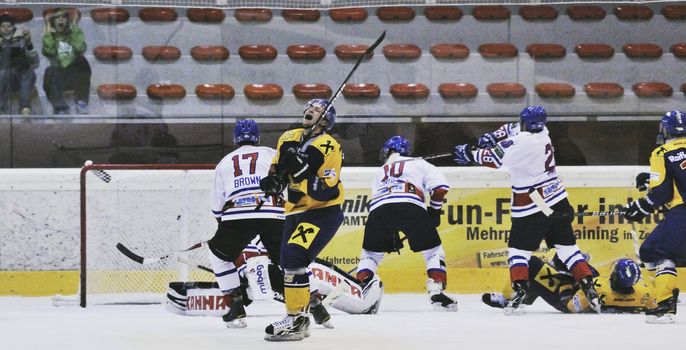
x=237, y=185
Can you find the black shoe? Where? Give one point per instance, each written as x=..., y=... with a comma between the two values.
x=516, y=305
x=665, y=310
x=588, y=287
x=235, y=318
x=290, y=328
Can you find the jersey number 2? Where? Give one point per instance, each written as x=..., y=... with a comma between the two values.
x=237, y=167
x=550, y=161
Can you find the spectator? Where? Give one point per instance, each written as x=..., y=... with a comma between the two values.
x=64, y=45
x=18, y=59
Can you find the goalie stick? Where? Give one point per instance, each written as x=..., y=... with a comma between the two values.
x=144, y=261
x=338, y=92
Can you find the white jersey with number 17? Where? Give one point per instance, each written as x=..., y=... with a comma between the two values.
x=237, y=185
x=530, y=160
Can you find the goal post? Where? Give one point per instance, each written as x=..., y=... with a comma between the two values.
x=153, y=209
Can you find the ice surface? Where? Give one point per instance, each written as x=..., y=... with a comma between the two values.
x=405, y=321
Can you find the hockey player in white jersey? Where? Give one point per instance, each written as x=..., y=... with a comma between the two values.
x=525, y=149
x=234, y=198
x=398, y=204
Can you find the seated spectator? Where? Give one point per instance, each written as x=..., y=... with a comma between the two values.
x=64, y=45
x=18, y=59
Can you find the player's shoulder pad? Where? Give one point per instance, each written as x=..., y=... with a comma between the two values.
x=326, y=144
x=291, y=135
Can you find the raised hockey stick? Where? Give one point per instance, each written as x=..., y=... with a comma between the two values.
x=144, y=261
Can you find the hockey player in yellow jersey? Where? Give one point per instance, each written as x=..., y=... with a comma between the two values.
x=307, y=163
x=623, y=292
x=667, y=188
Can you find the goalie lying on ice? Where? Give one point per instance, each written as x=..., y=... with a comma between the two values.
x=338, y=289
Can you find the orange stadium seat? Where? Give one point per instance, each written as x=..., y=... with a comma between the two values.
x=20, y=14
x=263, y=91
x=652, y=89
x=158, y=14
x=603, y=90
x=550, y=90
x=353, y=14
x=506, y=90
x=679, y=50
x=395, y=13
x=538, y=13
x=457, y=90
x=586, y=12
x=166, y=53
x=402, y=51
x=112, y=53
x=215, y=91
x=210, y=53
x=498, y=50
x=450, y=51
x=117, y=92
x=491, y=13
x=357, y=91
x=642, y=50
x=409, y=90
x=546, y=51
x=347, y=52
x=205, y=15
x=305, y=52
x=257, y=52
x=442, y=13
x=683, y=88
x=301, y=15
x=594, y=50
x=109, y=15
x=253, y=15
x=73, y=12
x=633, y=12
x=165, y=91
x=309, y=91
x=674, y=12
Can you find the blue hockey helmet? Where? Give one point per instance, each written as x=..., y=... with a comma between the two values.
x=314, y=108
x=672, y=124
x=625, y=273
x=397, y=144
x=533, y=118
x=246, y=131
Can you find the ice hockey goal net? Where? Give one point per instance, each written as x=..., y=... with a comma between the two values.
x=151, y=209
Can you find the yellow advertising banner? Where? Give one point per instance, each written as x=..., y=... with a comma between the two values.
x=475, y=225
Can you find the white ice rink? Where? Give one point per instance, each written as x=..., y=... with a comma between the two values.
x=404, y=322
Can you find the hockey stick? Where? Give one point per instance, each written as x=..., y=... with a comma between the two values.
x=547, y=211
x=437, y=156
x=144, y=261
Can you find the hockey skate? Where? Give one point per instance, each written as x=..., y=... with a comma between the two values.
x=589, y=291
x=439, y=300
x=496, y=300
x=235, y=318
x=291, y=328
x=516, y=305
x=665, y=311
x=318, y=311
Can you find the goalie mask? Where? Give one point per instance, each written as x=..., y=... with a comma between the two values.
x=672, y=125
x=533, y=118
x=313, y=109
x=397, y=144
x=625, y=273
x=246, y=131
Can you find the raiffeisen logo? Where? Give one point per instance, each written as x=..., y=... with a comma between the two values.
x=677, y=157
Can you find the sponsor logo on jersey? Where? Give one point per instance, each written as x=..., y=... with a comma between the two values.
x=330, y=173
x=304, y=234
x=498, y=150
x=677, y=157
x=326, y=147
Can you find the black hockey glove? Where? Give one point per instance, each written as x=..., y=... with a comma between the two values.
x=642, y=181
x=637, y=210
x=272, y=185
x=434, y=216
x=295, y=162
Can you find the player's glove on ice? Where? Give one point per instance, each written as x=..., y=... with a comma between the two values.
x=637, y=210
x=463, y=154
x=486, y=140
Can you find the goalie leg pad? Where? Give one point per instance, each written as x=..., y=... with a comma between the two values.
x=258, y=278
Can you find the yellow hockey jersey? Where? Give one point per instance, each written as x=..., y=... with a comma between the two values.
x=322, y=187
x=642, y=298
